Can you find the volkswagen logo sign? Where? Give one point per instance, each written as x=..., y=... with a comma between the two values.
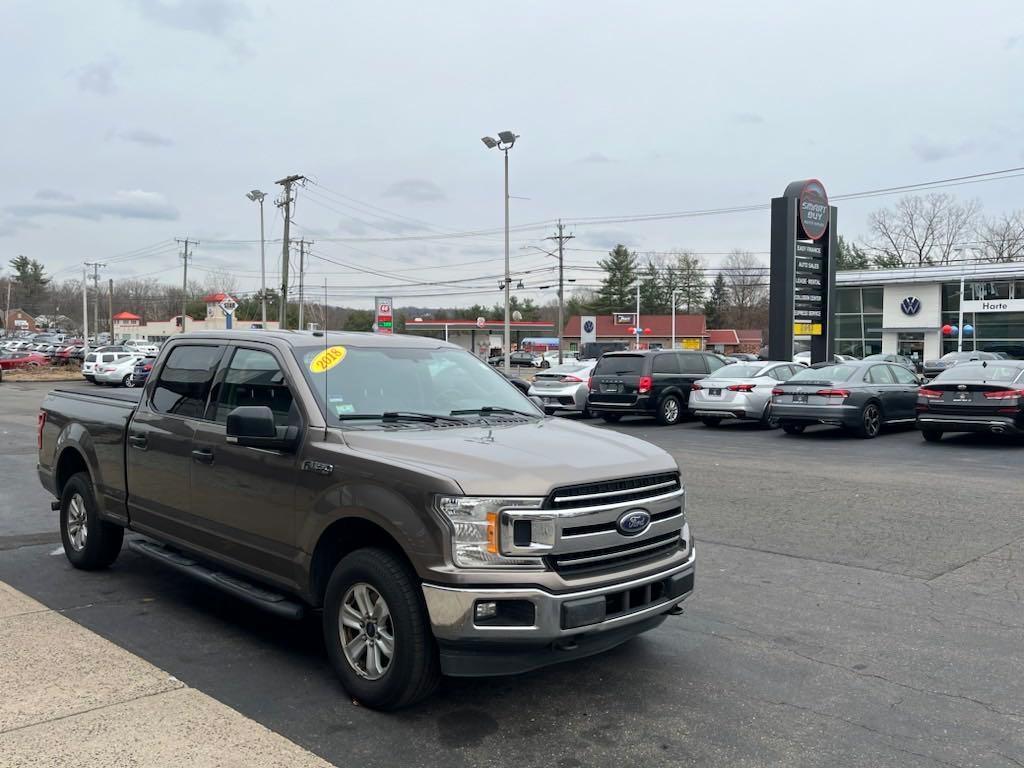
x=910, y=305
x=633, y=522
x=588, y=326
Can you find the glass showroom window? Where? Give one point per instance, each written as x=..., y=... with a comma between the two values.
x=859, y=321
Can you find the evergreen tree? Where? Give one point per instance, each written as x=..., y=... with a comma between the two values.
x=616, y=293
x=850, y=256
x=32, y=281
x=692, y=285
x=653, y=300
x=716, y=303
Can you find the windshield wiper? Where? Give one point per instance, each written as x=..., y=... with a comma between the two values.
x=429, y=418
x=489, y=409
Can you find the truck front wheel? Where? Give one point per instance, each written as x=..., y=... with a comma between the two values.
x=377, y=632
x=89, y=543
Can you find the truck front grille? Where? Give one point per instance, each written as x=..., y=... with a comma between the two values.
x=613, y=491
x=616, y=558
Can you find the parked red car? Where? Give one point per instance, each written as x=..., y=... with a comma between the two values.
x=9, y=360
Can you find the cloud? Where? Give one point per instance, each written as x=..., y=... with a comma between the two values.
x=748, y=118
x=1013, y=41
x=208, y=17
x=933, y=151
x=608, y=238
x=128, y=204
x=145, y=138
x=376, y=228
x=595, y=157
x=98, y=77
x=415, y=191
x=53, y=194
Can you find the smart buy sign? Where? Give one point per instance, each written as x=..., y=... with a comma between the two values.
x=385, y=320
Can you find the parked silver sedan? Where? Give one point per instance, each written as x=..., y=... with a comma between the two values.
x=564, y=387
x=739, y=391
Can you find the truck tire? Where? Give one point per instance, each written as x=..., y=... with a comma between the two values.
x=373, y=604
x=90, y=544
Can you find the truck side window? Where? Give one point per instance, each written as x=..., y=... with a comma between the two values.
x=185, y=380
x=254, y=378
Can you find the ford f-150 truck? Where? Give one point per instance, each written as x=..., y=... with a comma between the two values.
x=397, y=484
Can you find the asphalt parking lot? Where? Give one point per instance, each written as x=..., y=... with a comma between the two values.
x=858, y=603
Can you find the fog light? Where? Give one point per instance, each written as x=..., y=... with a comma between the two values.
x=486, y=611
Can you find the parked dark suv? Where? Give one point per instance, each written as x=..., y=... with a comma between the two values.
x=652, y=383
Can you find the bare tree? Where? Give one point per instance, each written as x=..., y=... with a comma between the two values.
x=1001, y=239
x=920, y=231
x=746, y=280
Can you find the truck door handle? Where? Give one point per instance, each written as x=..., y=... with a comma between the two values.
x=203, y=455
x=138, y=441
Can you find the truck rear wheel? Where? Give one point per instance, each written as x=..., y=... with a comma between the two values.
x=89, y=543
x=377, y=632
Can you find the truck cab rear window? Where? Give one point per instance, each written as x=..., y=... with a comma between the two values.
x=185, y=380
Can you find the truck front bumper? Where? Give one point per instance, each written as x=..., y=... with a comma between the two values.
x=532, y=628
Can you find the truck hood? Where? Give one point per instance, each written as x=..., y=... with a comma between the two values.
x=516, y=459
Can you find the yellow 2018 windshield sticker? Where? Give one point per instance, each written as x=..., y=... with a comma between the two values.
x=327, y=359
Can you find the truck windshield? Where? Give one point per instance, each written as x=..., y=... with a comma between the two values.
x=366, y=382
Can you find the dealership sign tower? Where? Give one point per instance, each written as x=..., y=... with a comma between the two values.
x=803, y=281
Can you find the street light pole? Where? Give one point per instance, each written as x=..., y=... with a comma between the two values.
x=508, y=278
x=505, y=141
x=258, y=196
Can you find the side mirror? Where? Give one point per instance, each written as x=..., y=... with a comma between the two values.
x=538, y=402
x=254, y=426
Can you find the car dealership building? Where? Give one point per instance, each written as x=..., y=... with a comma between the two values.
x=905, y=310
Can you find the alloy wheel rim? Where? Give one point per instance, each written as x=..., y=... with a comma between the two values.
x=78, y=529
x=871, y=420
x=367, y=631
x=671, y=410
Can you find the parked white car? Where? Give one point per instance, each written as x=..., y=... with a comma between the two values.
x=94, y=360
x=118, y=372
x=141, y=346
x=549, y=358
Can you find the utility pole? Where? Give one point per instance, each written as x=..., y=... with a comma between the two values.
x=7, y=315
x=96, y=265
x=110, y=307
x=286, y=200
x=302, y=281
x=184, y=277
x=561, y=237
x=85, y=310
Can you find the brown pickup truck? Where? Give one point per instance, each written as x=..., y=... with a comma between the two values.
x=433, y=514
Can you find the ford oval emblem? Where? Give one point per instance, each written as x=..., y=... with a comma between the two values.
x=633, y=522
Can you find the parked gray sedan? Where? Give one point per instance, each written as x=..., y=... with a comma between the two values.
x=860, y=396
x=741, y=390
x=564, y=387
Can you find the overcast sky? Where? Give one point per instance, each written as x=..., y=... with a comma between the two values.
x=132, y=122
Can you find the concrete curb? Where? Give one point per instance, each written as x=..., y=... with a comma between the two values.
x=74, y=698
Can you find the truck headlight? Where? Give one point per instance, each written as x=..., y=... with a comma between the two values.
x=475, y=525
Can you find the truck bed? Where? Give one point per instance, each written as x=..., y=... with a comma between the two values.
x=131, y=396
x=95, y=423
